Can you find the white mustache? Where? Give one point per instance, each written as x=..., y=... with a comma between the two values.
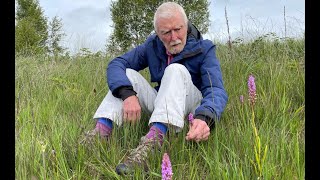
x=172, y=43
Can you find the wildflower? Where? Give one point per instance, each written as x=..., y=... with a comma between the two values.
x=190, y=118
x=241, y=99
x=43, y=146
x=166, y=168
x=252, y=90
x=53, y=152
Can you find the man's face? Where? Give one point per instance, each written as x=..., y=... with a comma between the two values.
x=172, y=32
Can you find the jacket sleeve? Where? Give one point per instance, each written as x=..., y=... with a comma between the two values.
x=116, y=70
x=214, y=95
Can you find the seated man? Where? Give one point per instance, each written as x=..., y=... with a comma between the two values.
x=189, y=80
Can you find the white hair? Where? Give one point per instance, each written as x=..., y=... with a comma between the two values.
x=167, y=10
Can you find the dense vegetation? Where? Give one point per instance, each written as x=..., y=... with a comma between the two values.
x=56, y=99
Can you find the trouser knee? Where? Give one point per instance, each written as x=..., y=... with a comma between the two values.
x=177, y=69
x=131, y=74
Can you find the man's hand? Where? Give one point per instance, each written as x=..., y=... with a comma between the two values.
x=131, y=109
x=198, y=131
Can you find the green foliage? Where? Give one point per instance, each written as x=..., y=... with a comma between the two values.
x=85, y=53
x=31, y=31
x=197, y=12
x=55, y=103
x=27, y=39
x=55, y=36
x=133, y=21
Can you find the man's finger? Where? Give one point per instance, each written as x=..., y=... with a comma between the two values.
x=192, y=129
x=206, y=135
x=188, y=136
x=199, y=133
x=203, y=136
x=194, y=134
x=138, y=115
x=131, y=116
x=125, y=116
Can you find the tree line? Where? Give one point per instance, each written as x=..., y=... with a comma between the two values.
x=34, y=34
x=132, y=23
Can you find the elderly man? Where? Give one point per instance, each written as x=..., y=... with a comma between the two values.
x=189, y=80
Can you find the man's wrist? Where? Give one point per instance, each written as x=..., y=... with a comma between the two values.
x=206, y=119
x=126, y=92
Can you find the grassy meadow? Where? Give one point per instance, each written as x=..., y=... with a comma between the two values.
x=55, y=101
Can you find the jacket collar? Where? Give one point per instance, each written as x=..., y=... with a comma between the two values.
x=191, y=48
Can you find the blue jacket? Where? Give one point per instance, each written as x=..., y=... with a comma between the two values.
x=198, y=56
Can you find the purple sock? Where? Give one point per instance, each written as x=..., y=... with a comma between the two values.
x=156, y=134
x=103, y=129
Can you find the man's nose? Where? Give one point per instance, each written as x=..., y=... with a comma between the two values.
x=174, y=35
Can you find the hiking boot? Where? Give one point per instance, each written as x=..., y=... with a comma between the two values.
x=100, y=130
x=138, y=156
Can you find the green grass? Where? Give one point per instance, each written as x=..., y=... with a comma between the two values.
x=55, y=102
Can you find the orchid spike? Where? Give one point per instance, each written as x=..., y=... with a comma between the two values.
x=190, y=118
x=166, y=168
x=252, y=90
